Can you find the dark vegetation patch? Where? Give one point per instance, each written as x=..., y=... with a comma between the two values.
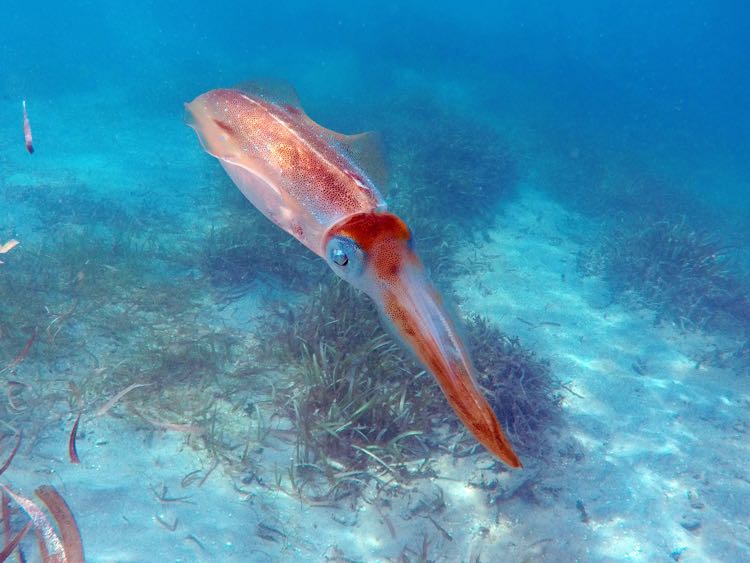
x=661, y=248
x=89, y=308
x=243, y=246
x=520, y=386
x=108, y=304
x=49, y=284
x=597, y=178
x=355, y=391
x=352, y=384
x=74, y=204
x=450, y=171
x=682, y=273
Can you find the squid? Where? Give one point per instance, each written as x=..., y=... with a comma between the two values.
x=322, y=188
x=27, y=130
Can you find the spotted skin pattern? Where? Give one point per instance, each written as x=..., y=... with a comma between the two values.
x=310, y=181
x=307, y=180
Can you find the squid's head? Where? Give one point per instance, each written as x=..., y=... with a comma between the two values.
x=374, y=252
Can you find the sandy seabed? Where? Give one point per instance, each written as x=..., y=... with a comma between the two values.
x=650, y=462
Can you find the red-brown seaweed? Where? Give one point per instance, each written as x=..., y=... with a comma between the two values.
x=111, y=403
x=8, y=461
x=72, y=452
x=71, y=535
x=11, y=546
x=18, y=359
x=50, y=545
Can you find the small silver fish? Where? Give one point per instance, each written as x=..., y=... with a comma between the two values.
x=27, y=130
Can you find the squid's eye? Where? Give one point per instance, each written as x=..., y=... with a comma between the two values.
x=338, y=256
x=345, y=257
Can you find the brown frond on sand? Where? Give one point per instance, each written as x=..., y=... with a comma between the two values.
x=5, y=510
x=50, y=545
x=11, y=387
x=177, y=427
x=25, y=352
x=72, y=452
x=8, y=246
x=71, y=535
x=8, y=461
x=113, y=401
x=13, y=544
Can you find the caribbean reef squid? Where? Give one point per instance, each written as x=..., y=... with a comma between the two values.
x=322, y=188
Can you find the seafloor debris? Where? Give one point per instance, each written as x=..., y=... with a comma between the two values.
x=164, y=425
x=58, y=508
x=7, y=247
x=681, y=272
x=113, y=401
x=72, y=451
x=22, y=355
x=13, y=452
x=65, y=546
x=12, y=544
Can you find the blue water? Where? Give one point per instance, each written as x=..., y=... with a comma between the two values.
x=668, y=82
x=606, y=116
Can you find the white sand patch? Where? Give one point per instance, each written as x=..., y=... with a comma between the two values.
x=650, y=422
